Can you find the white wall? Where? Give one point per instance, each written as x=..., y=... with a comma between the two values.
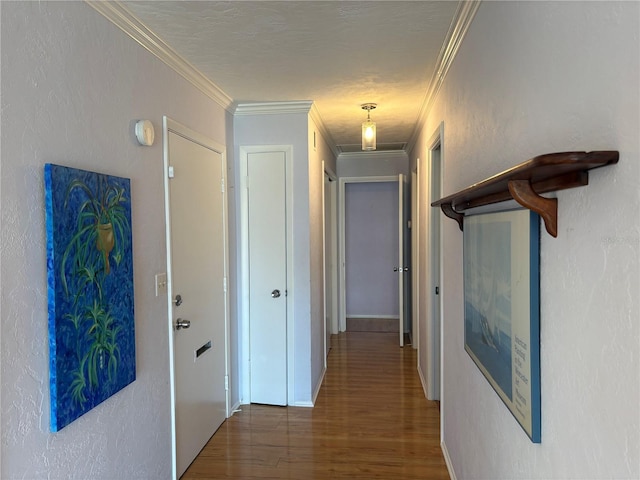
x=317, y=154
x=293, y=129
x=364, y=164
x=533, y=78
x=72, y=86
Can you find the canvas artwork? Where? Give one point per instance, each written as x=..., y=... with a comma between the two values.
x=501, y=294
x=90, y=286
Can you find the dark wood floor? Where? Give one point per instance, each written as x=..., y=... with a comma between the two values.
x=371, y=420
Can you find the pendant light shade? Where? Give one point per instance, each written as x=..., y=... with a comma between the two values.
x=368, y=129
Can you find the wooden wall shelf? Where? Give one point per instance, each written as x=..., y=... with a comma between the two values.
x=525, y=182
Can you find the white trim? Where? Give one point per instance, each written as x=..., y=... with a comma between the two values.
x=333, y=190
x=303, y=404
x=318, y=387
x=235, y=408
x=243, y=294
x=342, y=306
x=273, y=108
x=283, y=108
x=433, y=324
x=423, y=382
x=457, y=31
x=169, y=125
x=447, y=460
x=120, y=16
x=324, y=269
x=415, y=255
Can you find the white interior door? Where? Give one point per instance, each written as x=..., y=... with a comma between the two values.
x=401, y=269
x=415, y=228
x=197, y=240
x=435, y=273
x=328, y=261
x=267, y=252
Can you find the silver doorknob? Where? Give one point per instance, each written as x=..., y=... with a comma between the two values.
x=181, y=323
x=275, y=293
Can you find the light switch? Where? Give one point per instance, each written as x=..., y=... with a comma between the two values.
x=161, y=284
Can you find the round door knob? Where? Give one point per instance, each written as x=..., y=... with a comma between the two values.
x=275, y=293
x=182, y=323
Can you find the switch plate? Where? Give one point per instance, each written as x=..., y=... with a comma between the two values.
x=161, y=284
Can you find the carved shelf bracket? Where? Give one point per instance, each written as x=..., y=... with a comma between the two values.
x=448, y=210
x=547, y=208
x=525, y=182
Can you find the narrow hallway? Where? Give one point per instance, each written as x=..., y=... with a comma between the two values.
x=371, y=420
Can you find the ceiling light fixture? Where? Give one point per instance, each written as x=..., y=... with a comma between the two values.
x=368, y=128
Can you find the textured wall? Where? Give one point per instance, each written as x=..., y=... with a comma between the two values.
x=317, y=155
x=533, y=78
x=379, y=163
x=289, y=129
x=72, y=85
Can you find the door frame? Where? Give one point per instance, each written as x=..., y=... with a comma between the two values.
x=415, y=256
x=169, y=125
x=342, y=310
x=331, y=251
x=435, y=256
x=243, y=314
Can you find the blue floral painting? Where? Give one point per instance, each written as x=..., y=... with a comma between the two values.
x=90, y=289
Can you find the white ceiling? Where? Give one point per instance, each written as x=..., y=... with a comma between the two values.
x=339, y=54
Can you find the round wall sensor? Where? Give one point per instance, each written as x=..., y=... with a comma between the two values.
x=144, y=132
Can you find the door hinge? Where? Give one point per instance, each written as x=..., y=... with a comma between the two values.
x=226, y=382
x=170, y=172
x=222, y=185
x=224, y=284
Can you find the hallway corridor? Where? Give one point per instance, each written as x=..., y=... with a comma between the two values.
x=371, y=421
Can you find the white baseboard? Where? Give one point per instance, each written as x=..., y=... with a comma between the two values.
x=318, y=386
x=447, y=460
x=303, y=404
x=235, y=408
x=423, y=382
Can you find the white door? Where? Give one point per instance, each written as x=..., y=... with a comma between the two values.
x=267, y=252
x=196, y=215
x=415, y=337
x=435, y=274
x=328, y=266
x=401, y=269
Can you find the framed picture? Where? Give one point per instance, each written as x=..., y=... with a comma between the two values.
x=502, y=308
x=90, y=289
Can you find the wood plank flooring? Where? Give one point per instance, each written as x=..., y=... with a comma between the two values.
x=371, y=421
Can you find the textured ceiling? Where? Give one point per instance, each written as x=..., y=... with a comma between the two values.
x=340, y=54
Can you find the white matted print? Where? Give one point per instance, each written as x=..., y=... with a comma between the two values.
x=502, y=308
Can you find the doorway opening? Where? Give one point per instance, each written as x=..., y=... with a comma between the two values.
x=373, y=263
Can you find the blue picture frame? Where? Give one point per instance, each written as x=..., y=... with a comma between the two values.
x=502, y=308
x=90, y=289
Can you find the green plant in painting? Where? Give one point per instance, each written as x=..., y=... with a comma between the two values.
x=100, y=234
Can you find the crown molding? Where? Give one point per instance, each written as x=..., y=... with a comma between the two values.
x=120, y=16
x=272, y=108
x=457, y=30
x=282, y=108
